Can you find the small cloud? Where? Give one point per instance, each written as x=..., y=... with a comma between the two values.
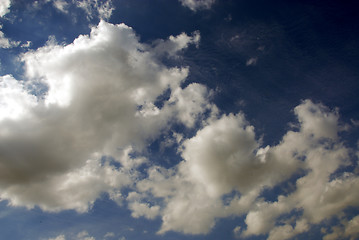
x=195, y=5
x=109, y=235
x=61, y=5
x=252, y=61
x=228, y=18
x=102, y=9
x=237, y=231
x=26, y=45
x=60, y=237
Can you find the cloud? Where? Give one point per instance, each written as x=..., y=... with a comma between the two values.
x=4, y=7
x=94, y=98
x=252, y=61
x=195, y=5
x=225, y=169
x=5, y=42
x=60, y=237
x=347, y=229
x=61, y=5
x=101, y=9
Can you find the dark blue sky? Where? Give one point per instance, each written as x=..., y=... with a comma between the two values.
x=180, y=119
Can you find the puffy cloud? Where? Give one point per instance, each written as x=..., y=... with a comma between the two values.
x=316, y=194
x=4, y=7
x=84, y=235
x=94, y=97
x=287, y=231
x=195, y=5
x=225, y=170
x=176, y=43
x=15, y=100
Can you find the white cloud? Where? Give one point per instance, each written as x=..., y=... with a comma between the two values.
x=143, y=210
x=195, y=5
x=60, y=237
x=109, y=235
x=61, y=5
x=99, y=102
x=84, y=235
x=287, y=231
x=224, y=157
x=176, y=43
x=102, y=9
x=5, y=42
x=4, y=7
x=15, y=101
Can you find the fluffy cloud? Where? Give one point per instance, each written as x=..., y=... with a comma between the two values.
x=4, y=7
x=195, y=5
x=94, y=97
x=225, y=170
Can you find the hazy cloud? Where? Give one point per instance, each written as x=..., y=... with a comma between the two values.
x=195, y=5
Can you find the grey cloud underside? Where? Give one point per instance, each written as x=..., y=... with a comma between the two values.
x=102, y=90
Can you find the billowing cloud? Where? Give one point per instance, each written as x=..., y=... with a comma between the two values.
x=93, y=98
x=195, y=5
x=225, y=170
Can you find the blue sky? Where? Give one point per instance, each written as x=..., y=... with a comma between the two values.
x=179, y=119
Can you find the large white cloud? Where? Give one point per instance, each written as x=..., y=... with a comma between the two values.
x=99, y=101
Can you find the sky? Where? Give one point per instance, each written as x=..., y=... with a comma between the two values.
x=179, y=119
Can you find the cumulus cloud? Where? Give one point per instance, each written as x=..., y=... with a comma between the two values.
x=225, y=169
x=195, y=5
x=96, y=99
x=4, y=7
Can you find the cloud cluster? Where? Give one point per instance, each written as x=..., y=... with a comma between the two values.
x=92, y=98
x=195, y=5
x=225, y=170
x=80, y=122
